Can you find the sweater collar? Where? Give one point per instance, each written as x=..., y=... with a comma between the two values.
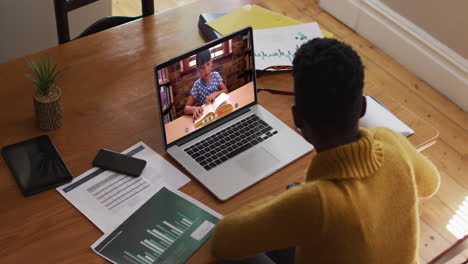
x=356, y=160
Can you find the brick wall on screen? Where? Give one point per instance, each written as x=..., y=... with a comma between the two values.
x=231, y=67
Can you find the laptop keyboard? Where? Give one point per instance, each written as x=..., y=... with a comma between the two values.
x=231, y=141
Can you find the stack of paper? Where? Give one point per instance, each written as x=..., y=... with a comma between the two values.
x=276, y=37
x=254, y=16
x=145, y=219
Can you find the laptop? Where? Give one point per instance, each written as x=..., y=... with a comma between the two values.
x=237, y=142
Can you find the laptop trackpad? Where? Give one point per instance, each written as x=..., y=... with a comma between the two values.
x=257, y=162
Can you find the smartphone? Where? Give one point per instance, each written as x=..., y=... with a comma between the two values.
x=121, y=163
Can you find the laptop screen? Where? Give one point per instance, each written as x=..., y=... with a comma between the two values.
x=205, y=85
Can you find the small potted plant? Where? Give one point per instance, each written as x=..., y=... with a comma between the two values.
x=46, y=95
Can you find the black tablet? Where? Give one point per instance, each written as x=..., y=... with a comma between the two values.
x=36, y=165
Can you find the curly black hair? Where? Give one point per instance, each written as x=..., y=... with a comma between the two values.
x=203, y=57
x=328, y=84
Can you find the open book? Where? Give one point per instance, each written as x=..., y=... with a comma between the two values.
x=219, y=108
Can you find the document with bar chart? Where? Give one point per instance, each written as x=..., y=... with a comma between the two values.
x=108, y=198
x=168, y=229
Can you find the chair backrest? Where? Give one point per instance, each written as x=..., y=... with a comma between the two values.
x=62, y=7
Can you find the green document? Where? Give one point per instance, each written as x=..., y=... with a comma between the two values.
x=166, y=229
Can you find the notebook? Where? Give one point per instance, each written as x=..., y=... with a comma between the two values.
x=233, y=150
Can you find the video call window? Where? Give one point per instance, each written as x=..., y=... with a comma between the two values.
x=184, y=85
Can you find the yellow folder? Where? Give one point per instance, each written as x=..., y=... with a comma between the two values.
x=255, y=16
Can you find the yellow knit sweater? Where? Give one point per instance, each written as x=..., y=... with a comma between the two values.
x=359, y=204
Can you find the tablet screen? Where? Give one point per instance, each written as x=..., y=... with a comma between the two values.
x=36, y=165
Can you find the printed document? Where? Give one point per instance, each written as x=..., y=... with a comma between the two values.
x=108, y=198
x=167, y=229
x=277, y=46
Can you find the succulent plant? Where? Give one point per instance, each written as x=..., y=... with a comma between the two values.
x=45, y=74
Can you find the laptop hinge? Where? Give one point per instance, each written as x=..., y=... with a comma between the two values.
x=214, y=125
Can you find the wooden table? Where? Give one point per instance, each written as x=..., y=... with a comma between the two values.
x=109, y=101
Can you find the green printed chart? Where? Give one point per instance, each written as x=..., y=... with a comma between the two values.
x=166, y=229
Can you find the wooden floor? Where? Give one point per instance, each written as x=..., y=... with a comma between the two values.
x=450, y=154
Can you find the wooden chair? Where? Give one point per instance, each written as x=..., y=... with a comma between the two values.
x=457, y=248
x=62, y=7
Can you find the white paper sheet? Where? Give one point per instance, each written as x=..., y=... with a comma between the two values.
x=377, y=115
x=108, y=198
x=277, y=46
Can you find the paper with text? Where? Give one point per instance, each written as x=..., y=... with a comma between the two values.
x=167, y=229
x=108, y=198
x=277, y=46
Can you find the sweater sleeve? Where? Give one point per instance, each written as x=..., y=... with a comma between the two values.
x=427, y=176
x=276, y=223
